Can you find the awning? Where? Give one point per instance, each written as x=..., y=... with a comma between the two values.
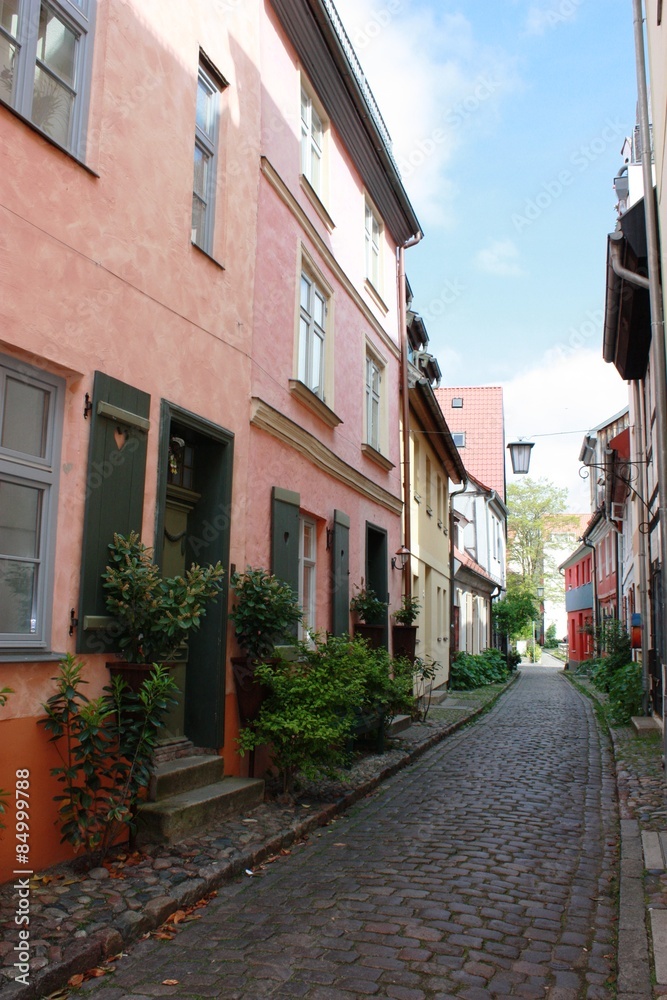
x=627, y=314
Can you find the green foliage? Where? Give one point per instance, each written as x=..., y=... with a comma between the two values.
x=4, y=694
x=155, y=613
x=368, y=607
x=625, y=693
x=408, y=612
x=315, y=699
x=613, y=641
x=105, y=745
x=423, y=669
x=550, y=640
x=265, y=614
x=474, y=670
x=514, y=612
x=534, y=651
x=513, y=659
x=536, y=512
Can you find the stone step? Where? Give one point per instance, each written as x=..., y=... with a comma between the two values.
x=183, y=774
x=190, y=813
x=644, y=724
x=437, y=697
x=398, y=724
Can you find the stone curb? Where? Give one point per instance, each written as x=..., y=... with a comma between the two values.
x=86, y=953
x=634, y=981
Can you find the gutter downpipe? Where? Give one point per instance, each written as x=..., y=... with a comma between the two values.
x=638, y=428
x=403, y=333
x=658, y=360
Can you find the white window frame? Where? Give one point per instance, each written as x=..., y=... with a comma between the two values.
x=79, y=17
x=373, y=429
x=313, y=137
x=206, y=143
x=42, y=473
x=373, y=230
x=309, y=371
x=307, y=594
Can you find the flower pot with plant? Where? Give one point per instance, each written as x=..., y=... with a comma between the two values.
x=154, y=615
x=404, y=630
x=371, y=614
x=265, y=615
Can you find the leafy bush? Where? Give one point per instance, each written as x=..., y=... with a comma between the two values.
x=266, y=612
x=513, y=659
x=625, y=693
x=368, y=607
x=614, y=644
x=473, y=670
x=105, y=745
x=550, y=640
x=315, y=699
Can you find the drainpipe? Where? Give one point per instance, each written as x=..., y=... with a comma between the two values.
x=658, y=360
x=403, y=335
x=639, y=425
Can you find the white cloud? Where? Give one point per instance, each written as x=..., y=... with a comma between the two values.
x=541, y=19
x=572, y=392
x=501, y=257
x=434, y=84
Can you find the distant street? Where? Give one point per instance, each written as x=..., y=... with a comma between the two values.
x=487, y=869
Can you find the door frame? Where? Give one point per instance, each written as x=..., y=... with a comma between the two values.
x=205, y=687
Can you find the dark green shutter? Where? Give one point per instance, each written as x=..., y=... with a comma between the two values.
x=340, y=574
x=285, y=537
x=114, y=496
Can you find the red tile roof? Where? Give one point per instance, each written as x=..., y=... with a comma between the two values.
x=481, y=419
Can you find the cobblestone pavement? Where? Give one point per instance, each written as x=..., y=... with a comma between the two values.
x=487, y=869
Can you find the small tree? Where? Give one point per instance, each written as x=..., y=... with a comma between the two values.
x=514, y=613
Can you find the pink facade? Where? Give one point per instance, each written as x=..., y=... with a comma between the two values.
x=100, y=273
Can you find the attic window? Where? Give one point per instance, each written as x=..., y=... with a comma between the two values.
x=457, y=402
x=459, y=439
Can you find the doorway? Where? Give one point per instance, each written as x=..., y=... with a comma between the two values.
x=193, y=525
x=377, y=570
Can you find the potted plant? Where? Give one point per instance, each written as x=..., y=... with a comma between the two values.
x=371, y=613
x=153, y=614
x=265, y=615
x=404, y=630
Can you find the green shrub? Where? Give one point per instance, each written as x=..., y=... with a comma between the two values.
x=513, y=659
x=473, y=670
x=105, y=745
x=625, y=693
x=315, y=699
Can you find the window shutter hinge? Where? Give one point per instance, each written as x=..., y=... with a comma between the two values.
x=87, y=408
x=73, y=620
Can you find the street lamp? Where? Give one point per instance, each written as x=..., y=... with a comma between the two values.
x=520, y=455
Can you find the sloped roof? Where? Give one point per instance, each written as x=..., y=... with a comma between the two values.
x=481, y=419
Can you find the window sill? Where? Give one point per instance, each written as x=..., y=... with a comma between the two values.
x=306, y=396
x=28, y=656
x=370, y=452
x=376, y=297
x=314, y=199
x=47, y=138
x=208, y=255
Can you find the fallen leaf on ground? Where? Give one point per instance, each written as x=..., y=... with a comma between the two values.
x=176, y=917
x=170, y=982
x=75, y=980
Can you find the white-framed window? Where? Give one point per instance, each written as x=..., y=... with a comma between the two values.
x=313, y=305
x=207, y=118
x=373, y=401
x=31, y=413
x=312, y=142
x=307, y=574
x=45, y=60
x=373, y=243
x=459, y=438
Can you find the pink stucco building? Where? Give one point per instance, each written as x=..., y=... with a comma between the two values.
x=199, y=335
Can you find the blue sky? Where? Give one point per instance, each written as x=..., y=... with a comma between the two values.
x=508, y=118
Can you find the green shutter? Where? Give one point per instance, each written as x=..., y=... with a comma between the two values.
x=285, y=536
x=114, y=496
x=340, y=574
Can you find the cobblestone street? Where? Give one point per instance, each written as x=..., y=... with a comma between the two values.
x=487, y=869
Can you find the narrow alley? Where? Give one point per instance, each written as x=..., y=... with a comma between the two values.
x=488, y=869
